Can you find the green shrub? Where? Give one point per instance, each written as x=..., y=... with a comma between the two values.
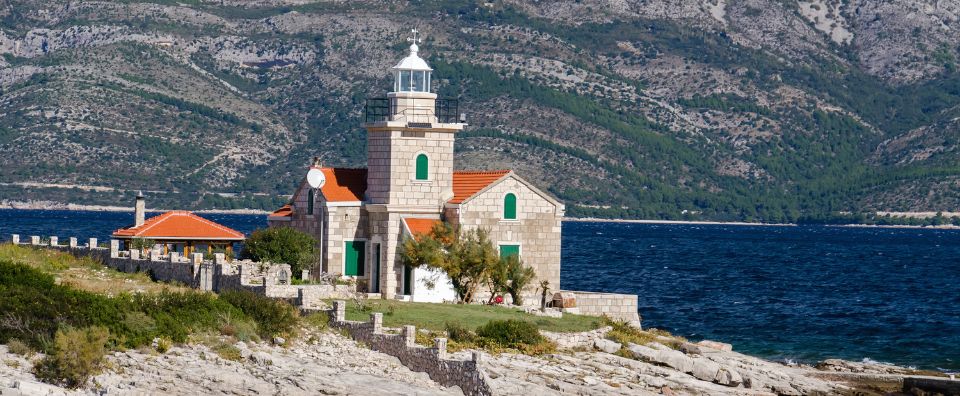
x=228, y=352
x=320, y=320
x=282, y=245
x=511, y=333
x=18, y=347
x=273, y=317
x=78, y=354
x=459, y=333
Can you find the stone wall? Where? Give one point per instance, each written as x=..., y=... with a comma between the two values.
x=391, y=165
x=271, y=280
x=616, y=306
x=536, y=229
x=343, y=223
x=434, y=361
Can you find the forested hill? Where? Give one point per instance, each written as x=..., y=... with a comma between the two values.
x=758, y=110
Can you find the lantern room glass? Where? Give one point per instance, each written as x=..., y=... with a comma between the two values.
x=412, y=81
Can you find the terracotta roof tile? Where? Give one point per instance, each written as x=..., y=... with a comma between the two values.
x=420, y=226
x=180, y=224
x=284, y=211
x=344, y=185
x=468, y=183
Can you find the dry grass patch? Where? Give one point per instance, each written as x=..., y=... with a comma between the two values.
x=83, y=273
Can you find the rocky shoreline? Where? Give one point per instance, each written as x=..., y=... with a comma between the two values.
x=327, y=362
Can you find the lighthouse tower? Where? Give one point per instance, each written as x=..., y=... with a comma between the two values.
x=410, y=136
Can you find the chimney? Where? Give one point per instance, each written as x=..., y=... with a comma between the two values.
x=139, y=210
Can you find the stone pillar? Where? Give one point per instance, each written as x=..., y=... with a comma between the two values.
x=154, y=255
x=54, y=241
x=92, y=243
x=174, y=257
x=72, y=242
x=35, y=240
x=377, y=319
x=114, y=248
x=219, y=258
x=15, y=238
x=305, y=274
x=339, y=311
x=206, y=276
x=409, y=335
x=134, y=254
x=441, y=345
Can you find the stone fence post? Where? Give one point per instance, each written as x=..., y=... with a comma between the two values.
x=174, y=257
x=219, y=258
x=114, y=248
x=54, y=241
x=304, y=274
x=34, y=240
x=72, y=242
x=154, y=255
x=339, y=311
x=15, y=238
x=441, y=344
x=134, y=254
x=92, y=243
x=377, y=319
x=410, y=336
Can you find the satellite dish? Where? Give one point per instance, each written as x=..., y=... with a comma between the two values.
x=315, y=178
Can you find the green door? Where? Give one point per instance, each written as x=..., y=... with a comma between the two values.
x=375, y=270
x=353, y=265
x=506, y=250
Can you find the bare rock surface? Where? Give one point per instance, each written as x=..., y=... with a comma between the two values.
x=327, y=364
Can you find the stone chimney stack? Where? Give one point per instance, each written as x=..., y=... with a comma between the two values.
x=140, y=209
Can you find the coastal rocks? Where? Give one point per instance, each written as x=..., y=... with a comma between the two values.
x=720, y=346
x=577, y=340
x=606, y=345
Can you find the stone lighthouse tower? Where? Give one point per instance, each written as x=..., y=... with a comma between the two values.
x=410, y=136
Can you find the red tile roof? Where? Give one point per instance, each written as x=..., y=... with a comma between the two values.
x=284, y=211
x=468, y=183
x=420, y=226
x=344, y=185
x=180, y=224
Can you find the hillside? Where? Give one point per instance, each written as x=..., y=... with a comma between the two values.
x=758, y=110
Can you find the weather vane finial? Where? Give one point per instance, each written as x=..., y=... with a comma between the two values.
x=416, y=36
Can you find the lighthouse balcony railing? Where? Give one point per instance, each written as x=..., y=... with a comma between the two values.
x=443, y=111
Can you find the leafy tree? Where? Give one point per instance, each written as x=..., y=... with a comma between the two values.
x=466, y=256
x=282, y=245
x=518, y=277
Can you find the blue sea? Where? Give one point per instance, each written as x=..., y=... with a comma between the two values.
x=803, y=293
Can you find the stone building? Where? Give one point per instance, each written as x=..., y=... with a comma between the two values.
x=361, y=216
x=177, y=231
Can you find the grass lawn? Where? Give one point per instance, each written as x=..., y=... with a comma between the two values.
x=83, y=273
x=435, y=316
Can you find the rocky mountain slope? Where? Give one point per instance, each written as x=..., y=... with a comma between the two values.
x=753, y=110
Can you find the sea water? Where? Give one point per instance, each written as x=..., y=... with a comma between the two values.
x=794, y=293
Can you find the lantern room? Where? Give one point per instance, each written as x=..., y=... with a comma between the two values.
x=412, y=74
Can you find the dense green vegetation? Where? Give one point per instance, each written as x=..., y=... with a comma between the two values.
x=284, y=245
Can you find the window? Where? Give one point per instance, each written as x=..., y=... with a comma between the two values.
x=423, y=169
x=405, y=80
x=509, y=250
x=310, y=199
x=510, y=207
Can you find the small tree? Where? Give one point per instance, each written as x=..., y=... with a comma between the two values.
x=142, y=244
x=282, y=245
x=466, y=257
x=518, y=277
x=77, y=355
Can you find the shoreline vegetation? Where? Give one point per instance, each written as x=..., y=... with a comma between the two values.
x=934, y=220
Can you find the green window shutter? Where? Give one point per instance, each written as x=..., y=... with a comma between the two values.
x=310, y=199
x=507, y=250
x=510, y=207
x=354, y=258
x=422, y=167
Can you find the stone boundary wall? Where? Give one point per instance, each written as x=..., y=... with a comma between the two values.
x=577, y=340
x=616, y=306
x=271, y=280
x=466, y=374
